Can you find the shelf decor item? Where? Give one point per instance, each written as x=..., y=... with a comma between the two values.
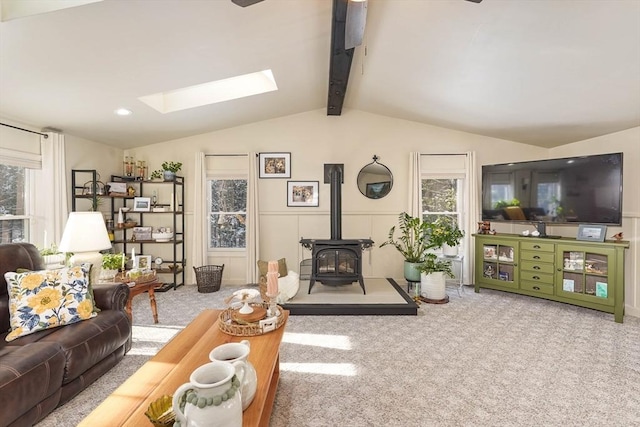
x=142, y=204
x=168, y=171
x=591, y=232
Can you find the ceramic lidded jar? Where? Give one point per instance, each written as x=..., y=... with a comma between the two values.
x=239, y=351
x=211, y=398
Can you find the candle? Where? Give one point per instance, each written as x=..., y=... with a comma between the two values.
x=45, y=240
x=133, y=258
x=123, y=257
x=272, y=278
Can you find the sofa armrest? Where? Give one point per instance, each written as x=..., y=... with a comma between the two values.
x=111, y=296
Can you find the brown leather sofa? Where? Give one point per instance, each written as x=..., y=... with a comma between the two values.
x=44, y=370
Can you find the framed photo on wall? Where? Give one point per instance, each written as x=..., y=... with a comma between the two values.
x=302, y=193
x=275, y=165
x=591, y=232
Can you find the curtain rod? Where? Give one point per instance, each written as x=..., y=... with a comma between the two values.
x=26, y=130
x=226, y=155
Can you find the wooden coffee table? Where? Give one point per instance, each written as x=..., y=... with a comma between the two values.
x=173, y=364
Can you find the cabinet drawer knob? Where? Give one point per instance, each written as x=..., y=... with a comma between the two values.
x=537, y=288
x=536, y=246
x=536, y=267
x=536, y=277
x=536, y=257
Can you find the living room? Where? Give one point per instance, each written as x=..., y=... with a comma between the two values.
x=314, y=138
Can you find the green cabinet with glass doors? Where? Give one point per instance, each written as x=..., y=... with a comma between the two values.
x=587, y=274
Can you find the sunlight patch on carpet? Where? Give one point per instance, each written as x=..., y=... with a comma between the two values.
x=338, y=342
x=341, y=369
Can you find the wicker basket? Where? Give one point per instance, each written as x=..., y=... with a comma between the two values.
x=229, y=325
x=209, y=278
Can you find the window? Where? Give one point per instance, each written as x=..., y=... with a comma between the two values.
x=14, y=222
x=441, y=197
x=227, y=213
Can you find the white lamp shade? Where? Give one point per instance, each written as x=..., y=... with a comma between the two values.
x=84, y=232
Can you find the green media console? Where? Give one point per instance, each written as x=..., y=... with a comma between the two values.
x=587, y=274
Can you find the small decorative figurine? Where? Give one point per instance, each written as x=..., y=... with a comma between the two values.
x=617, y=237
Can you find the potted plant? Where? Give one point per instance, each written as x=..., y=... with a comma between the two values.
x=52, y=256
x=168, y=171
x=111, y=264
x=413, y=243
x=433, y=272
x=447, y=235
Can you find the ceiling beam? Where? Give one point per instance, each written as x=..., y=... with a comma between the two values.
x=341, y=58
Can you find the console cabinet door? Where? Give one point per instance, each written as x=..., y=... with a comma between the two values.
x=499, y=262
x=586, y=274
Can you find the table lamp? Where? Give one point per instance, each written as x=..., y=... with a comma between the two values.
x=85, y=234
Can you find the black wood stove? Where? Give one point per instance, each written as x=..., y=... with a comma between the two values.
x=336, y=261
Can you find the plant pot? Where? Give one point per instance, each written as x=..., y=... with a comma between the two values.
x=411, y=273
x=433, y=285
x=449, y=251
x=169, y=176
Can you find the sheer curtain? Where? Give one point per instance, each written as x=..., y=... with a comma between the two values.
x=253, y=219
x=199, y=240
x=415, y=186
x=51, y=204
x=473, y=192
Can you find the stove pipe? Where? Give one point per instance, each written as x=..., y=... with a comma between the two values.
x=336, y=202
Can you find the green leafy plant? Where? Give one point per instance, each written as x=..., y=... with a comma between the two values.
x=157, y=174
x=51, y=250
x=432, y=264
x=505, y=203
x=446, y=230
x=171, y=166
x=112, y=261
x=414, y=240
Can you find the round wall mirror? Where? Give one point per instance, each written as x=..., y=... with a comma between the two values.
x=375, y=180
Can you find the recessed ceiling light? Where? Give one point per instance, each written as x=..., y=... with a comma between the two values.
x=123, y=112
x=212, y=92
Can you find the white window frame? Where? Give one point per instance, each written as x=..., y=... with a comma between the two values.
x=223, y=176
x=33, y=173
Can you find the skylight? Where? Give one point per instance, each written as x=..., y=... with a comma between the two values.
x=212, y=92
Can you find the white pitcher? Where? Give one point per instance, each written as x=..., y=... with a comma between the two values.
x=235, y=351
x=212, y=396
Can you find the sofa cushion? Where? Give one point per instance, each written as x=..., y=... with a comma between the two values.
x=263, y=268
x=29, y=375
x=47, y=298
x=87, y=343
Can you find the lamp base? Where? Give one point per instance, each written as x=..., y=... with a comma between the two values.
x=95, y=258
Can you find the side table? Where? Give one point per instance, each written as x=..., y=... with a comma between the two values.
x=142, y=288
x=455, y=260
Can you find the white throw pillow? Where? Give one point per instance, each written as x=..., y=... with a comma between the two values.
x=288, y=286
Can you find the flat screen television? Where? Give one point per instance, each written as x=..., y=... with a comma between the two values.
x=572, y=190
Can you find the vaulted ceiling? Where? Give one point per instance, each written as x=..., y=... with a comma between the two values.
x=545, y=73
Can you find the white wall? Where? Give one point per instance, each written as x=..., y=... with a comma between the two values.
x=85, y=154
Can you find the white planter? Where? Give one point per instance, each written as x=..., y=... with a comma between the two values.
x=450, y=251
x=433, y=285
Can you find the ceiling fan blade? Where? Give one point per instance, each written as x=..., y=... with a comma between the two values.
x=475, y=1
x=355, y=23
x=245, y=3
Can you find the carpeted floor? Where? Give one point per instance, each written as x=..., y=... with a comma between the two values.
x=487, y=359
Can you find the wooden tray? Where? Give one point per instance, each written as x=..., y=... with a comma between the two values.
x=230, y=325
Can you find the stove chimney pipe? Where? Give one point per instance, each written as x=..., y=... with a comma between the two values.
x=336, y=202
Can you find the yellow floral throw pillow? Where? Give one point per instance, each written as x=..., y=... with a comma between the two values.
x=45, y=299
